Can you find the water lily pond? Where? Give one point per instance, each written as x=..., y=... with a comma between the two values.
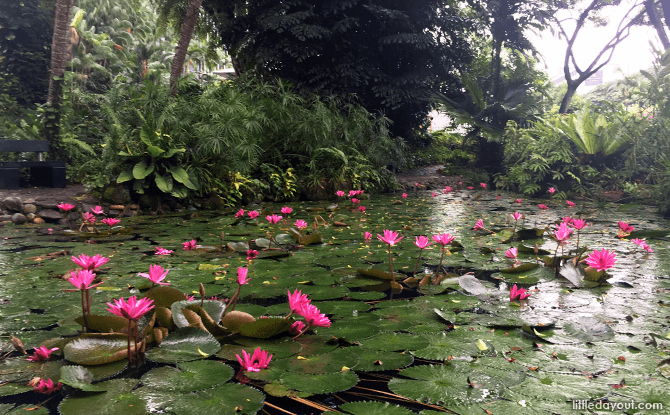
x=426, y=343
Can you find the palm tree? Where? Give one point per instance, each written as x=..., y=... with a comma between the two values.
x=184, y=39
x=60, y=53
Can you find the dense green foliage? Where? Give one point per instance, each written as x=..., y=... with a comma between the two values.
x=392, y=55
x=25, y=43
x=245, y=139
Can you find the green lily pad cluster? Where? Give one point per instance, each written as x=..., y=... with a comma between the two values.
x=449, y=343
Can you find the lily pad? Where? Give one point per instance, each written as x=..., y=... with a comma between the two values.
x=79, y=377
x=184, y=344
x=98, y=349
x=321, y=383
x=447, y=385
x=230, y=398
x=188, y=376
x=116, y=400
x=374, y=408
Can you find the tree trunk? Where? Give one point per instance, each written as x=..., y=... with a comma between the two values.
x=496, y=65
x=60, y=52
x=565, y=103
x=184, y=40
x=653, y=18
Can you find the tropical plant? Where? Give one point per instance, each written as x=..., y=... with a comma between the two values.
x=593, y=134
x=156, y=162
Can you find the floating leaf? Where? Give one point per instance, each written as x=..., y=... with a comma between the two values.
x=116, y=400
x=98, y=349
x=182, y=345
x=79, y=377
x=447, y=384
x=322, y=383
x=188, y=376
x=374, y=408
x=264, y=328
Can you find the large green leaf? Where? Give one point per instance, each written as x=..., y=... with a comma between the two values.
x=188, y=376
x=231, y=398
x=448, y=385
x=374, y=408
x=98, y=349
x=180, y=175
x=320, y=383
x=164, y=183
x=142, y=170
x=116, y=400
x=185, y=344
x=125, y=176
x=80, y=378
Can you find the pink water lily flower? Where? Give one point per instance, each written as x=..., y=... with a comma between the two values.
x=297, y=301
x=189, y=245
x=391, y=238
x=511, y=253
x=470, y=188
x=240, y=213
x=623, y=226
x=41, y=354
x=253, y=214
x=519, y=293
x=367, y=236
x=297, y=328
x=300, y=224
x=45, y=387
x=434, y=194
x=111, y=221
x=254, y=363
x=89, y=218
x=133, y=309
x=354, y=200
x=156, y=274
x=579, y=224
x=273, y=219
x=314, y=317
x=340, y=193
x=638, y=241
x=552, y=190
x=286, y=210
x=242, y=276
x=251, y=254
x=162, y=251
x=601, y=260
x=352, y=193
x=483, y=185
x=66, y=207
x=404, y=195
x=569, y=203
x=647, y=248
x=516, y=215
x=361, y=209
x=422, y=242
x=97, y=210
x=517, y=201
x=90, y=263
x=443, y=239
x=543, y=206
x=567, y=219
x=563, y=232
x=82, y=279
x=447, y=189
x=498, y=197
x=479, y=225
